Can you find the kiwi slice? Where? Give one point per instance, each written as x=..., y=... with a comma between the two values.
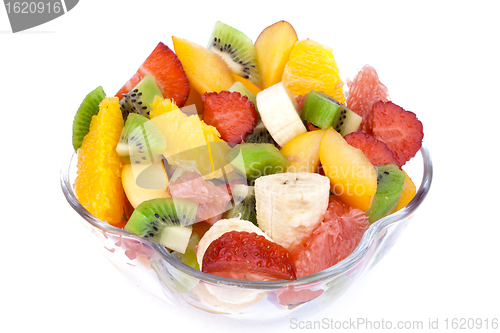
x=140, y=98
x=260, y=134
x=141, y=142
x=320, y=109
x=88, y=108
x=390, y=184
x=239, y=87
x=347, y=122
x=257, y=159
x=244, y=203
x=236, y=49
x=189, y=256
x=164, y=220
x=324, y=111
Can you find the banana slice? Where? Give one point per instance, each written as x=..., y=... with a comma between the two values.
x=279, y=113
x=290, y=205
x=221, y=227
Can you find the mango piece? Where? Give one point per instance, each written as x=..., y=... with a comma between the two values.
x=205, y=69
x=303, y=151
x=144, y=182
x=249, y=85
x=351, y=174
x=408, y=192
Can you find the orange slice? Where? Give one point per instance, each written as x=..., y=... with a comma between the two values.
x=311, y=66
x=98, y=183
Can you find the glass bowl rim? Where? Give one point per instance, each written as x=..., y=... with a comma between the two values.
x=336, y=270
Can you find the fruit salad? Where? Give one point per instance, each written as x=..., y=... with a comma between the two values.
x=247, y=160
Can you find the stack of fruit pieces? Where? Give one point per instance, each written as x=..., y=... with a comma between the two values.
x=246, y=160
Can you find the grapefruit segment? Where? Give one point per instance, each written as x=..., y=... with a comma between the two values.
x=333, y=240
x=364, y=90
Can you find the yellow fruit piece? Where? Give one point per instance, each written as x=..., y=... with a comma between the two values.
x=161, y=106
x=144, y=182
x=303, y=151
x=249, y=85
x=273, y=47
x=98, y=183
x=205, y=69
x=187, y=139
x=351, y=174
x=311, y=66
x=408, y=192
x=194, y=98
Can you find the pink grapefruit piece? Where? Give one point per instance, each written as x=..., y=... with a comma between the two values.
x=333, y=240
x=212, y=199
x=364, y=90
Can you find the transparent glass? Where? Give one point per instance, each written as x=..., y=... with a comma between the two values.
x=155, y=269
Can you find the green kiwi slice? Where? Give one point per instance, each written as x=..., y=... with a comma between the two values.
x=324, y=111
x=260, y=134
x=189, y=256
x=166, y=221
x=257, y=159
x=320, y=109
x=236, y=49
x=140, y=98
x=88, y=108
x=390, y=184
x=141, y=142
x=347, y=122
x=239, y=87
x=243, y=203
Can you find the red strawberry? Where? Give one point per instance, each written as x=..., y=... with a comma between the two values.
x=377, y=152
x=401, y=131
x=300, y=101
x=247, y=256
x=232, y=114
x=167, y=69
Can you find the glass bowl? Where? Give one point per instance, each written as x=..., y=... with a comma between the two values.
x=156, y=270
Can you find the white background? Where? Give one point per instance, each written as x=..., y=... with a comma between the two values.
x=439, y=59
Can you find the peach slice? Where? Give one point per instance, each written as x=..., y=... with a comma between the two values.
x=351, y=174
x=205, y=69
x=303, y=151
x=408, y=192
x=273, y=46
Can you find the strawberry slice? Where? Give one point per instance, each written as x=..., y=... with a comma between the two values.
x=377, y=152
x=401, y=131
x=232, y=114
x=247, y=256
x=169, y=74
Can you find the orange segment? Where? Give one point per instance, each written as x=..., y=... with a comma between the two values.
x=161, y=106
x=408, y=192
x=311, y=66
x=98, y=183
x=187, y=140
